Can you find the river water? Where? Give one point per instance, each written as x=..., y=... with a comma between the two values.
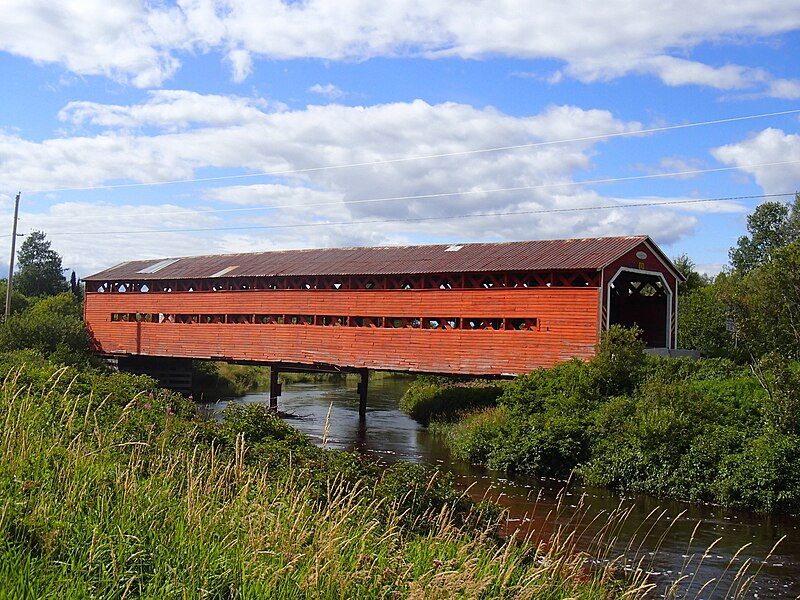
x=668, y=539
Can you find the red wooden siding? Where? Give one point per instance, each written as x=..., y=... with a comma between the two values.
x=567, y=326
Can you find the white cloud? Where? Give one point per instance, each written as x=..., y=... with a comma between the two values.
x=143, y=42
x=252, y=138
x=123, y=40
x=768, y=146
x=685, y=165
x=241, y=64
x=676, y=71
x=328, y=90
x=91, y=253
x=711, y=269
x=272, y=194
x=170, y=109
x=788, y=89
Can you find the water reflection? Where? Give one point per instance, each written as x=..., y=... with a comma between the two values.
x=389, y=435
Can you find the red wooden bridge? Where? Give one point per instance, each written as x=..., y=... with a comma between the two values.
x=480, y=309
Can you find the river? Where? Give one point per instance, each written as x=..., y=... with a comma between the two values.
x=666, y=538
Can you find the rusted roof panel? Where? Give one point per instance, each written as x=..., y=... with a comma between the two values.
x=535, y=255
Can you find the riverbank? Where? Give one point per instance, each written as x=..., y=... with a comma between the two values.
x=702, y=431
x=217, y=380
x=111, y=487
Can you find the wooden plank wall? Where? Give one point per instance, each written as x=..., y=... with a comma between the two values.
x=567, y=327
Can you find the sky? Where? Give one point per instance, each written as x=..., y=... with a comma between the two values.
x=352, y=122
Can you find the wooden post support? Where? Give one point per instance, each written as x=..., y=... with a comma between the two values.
x=363, y=387
x=274, y=388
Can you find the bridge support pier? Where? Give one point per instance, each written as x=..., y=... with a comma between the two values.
x=363, y=387
x=274, y=388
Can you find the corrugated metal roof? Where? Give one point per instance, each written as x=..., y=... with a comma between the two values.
x=535, y=255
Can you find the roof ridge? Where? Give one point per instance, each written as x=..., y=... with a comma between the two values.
x=384, y=247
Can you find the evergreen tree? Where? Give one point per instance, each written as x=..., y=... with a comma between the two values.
x=40, y=272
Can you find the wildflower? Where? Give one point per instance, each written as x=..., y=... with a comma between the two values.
x=437, y=563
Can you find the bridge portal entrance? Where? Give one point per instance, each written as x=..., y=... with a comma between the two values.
x=641, y=298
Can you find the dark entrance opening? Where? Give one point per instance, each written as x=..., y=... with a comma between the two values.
x=643, y=300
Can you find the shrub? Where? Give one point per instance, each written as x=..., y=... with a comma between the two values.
x=256, y=423
x=546, y=445
x=765, y=474
x=476, y=434
x=52, y=326
x=528, y=393
x=619, y=359
x=427, y=400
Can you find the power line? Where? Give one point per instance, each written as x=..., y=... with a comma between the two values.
x=461, y=193
x=421, y=219
x=421, y=157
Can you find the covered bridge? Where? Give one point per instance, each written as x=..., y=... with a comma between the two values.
x=481, y=309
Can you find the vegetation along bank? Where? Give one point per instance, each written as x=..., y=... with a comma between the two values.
x=722, y=429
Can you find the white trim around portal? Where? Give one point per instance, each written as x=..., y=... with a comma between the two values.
x=670, y=304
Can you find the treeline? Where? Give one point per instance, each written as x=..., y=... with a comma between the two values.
x=722, y=429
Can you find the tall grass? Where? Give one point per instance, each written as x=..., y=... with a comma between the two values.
x=105, y=499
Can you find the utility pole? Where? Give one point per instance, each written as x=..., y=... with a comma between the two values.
x=13, y=252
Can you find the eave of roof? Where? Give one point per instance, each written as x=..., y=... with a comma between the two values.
x=534, y=255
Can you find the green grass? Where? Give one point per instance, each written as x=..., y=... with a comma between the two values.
x=111, y=488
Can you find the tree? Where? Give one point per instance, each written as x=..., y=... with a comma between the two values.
x=772, y=226
x=19, y=302
x=765, y=305
x=40, y=272
x=687, y=268
x=704, y=318
x=73, y=285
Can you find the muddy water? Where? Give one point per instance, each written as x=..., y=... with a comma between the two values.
x=666, y=538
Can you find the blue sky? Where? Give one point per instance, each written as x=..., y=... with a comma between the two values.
x=98, y=94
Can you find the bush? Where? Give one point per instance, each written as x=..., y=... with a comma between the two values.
x=618, y=361
x=550, y=444
x=53, y=326
x=475, y=436
x=765, y=474
x=435, y=399
x=529, y=393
